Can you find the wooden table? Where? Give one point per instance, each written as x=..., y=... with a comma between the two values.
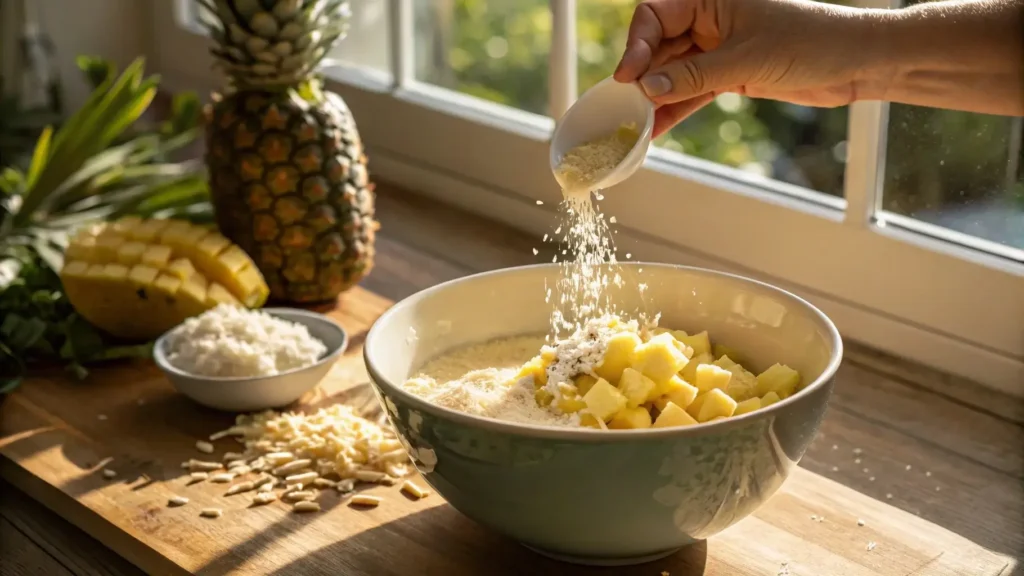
x=940, y=448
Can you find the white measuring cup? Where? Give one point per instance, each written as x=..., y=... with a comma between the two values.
x=600, y=111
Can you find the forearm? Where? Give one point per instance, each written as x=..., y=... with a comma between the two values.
x=964, y=55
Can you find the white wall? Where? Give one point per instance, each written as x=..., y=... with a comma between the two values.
x=113, y=29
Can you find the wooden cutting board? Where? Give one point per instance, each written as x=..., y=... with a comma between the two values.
x=57, y=435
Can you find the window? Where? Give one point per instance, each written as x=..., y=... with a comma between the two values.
x=902, y=223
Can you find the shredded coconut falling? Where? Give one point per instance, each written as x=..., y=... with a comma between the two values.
x=585, y=165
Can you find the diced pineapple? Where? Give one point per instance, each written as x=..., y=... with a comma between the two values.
x=181, y=267
x=694, y=408
x=748, y=405
x=590, y=421
x=659, y=330
x=156, y=255
x=81, y=248
x=710, y=377
x=536, y=369
x=107, y=246
x=673, y=415
x=543, y=397
x=629, y=418
x=742, y=385
x=584, y=382
x=604, y=400
x=616, y=355
x=217, y=294
x=780, y=379
x=700, y=343
x=571, y=405
x=130, y=253
x=717, y=403
x=678, y=392
x=769, y=399
x=689, y=373
x=658, y=358
x=636, y=387
x=548, y=354
x=569, y=400
x=148, y=230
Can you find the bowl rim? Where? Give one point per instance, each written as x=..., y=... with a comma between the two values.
x=591, y=434
x=282, y=312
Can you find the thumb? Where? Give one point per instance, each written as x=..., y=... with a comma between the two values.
x=694, y=75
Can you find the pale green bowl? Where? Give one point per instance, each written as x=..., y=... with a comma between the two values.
x=596, y=497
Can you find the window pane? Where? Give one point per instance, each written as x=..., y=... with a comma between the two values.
x=367, y=42
x=957, y=170
x=796, y=144
x=493, y=49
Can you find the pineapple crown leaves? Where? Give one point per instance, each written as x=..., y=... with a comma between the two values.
x=274, y=44
x=98, y=165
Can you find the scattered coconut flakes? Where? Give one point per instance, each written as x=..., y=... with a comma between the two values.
x=908, y=467
x=835, y=446
x=177, y=501
x=857, y=450
x=783, y=569
x=928, y=474
x=535, y=251
x=860, y=522
x=871, y=546
x=211, y=512
x=204, y=447
x=888, y=496
x=102, y=416
x=872, y=479
x=540, y=203
x=835, y=468
x=108, y=473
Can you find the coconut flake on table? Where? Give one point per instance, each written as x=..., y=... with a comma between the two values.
x=229, y=341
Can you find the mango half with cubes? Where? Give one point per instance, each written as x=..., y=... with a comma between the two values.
x=136, y=279
x=659, y=378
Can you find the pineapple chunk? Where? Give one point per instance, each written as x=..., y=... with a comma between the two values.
x=694, y=408
x=588, y=420
x=148, y=230
x=130, y=253
x=125, y=225
x=710, y=377
x=748, y=405
x=543, y=397
x=584, y=382
x=700, y=343
x=769, y=399
x=780, y=379
x=548, y=354
x=156, y=255
x=181, y=267
x=569, y=400
x=629, y=418
x=689, y=373
x=217, y=294
x=604, y=400
x=636, y=387
x=617, y=353
x=658, y=358
x=678, y=392
x=717, y=403
x=536, y=369
x=743, y=383
x=673, y=415
x=657, y=330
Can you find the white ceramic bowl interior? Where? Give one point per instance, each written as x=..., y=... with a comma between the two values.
x=247, y=394
x=600, y=111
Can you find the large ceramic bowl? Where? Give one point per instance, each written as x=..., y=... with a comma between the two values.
x=606, y=497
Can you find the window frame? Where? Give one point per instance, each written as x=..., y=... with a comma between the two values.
x=883, y=281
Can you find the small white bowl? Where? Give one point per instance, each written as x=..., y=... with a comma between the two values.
x=253, y=393
x=601, y=111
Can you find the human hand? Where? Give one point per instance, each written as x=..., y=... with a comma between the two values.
x=686, y=52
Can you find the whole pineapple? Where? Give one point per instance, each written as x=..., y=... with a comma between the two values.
x=288, y=175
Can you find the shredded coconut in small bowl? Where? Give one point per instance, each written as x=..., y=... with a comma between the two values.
x=229, y=341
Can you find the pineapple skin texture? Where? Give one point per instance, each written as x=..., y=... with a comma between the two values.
x=289, y=185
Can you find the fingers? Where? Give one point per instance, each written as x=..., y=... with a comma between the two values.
x=694, y=75
x=653, y=21
x=670, y=49
x=667, y=116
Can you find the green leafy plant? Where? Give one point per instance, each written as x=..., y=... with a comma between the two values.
x=102, y=163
